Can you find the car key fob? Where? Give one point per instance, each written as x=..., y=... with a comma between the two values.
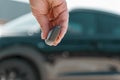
x=52, y=35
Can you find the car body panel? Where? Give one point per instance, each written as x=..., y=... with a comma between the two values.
x=82, y=34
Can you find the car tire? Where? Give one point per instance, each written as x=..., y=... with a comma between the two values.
x=29, y=54
x=16, y=69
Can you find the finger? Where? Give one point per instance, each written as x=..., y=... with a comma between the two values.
x=40, y=10
x=61, y=35
x=41, y=6
x=44, y=24
x=61, y=15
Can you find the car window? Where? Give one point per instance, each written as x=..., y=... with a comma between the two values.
x=75, y=27
x=86, y=22
x=108, y=25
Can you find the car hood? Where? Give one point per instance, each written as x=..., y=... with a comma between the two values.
x=24, y=26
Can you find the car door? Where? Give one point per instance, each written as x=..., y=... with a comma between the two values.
x=108, y=30
x=82, y=26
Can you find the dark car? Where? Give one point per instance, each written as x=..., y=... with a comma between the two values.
x=91, y=33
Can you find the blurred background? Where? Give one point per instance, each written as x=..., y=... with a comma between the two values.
x=89, y=51
x=10, y=10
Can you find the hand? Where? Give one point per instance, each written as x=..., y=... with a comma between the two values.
x=51, y=13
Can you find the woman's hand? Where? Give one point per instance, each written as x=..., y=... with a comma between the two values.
x=51, y=13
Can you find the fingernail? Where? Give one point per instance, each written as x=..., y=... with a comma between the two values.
x=55, y=44
x=42, y=36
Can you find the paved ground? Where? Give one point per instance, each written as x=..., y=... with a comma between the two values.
x=82, y=64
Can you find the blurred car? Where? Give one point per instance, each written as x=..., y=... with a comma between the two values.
x=92, y=35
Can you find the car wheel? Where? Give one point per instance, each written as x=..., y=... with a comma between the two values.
x=17, y=69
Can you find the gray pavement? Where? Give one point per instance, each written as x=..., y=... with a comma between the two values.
x=84, y=65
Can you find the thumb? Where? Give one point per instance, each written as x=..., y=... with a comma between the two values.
x=44, y=24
